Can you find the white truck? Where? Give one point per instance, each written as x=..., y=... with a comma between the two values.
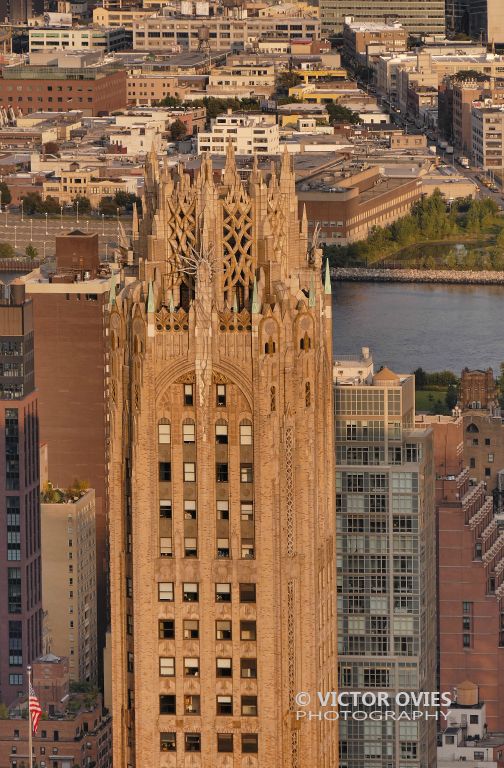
x=463, y=161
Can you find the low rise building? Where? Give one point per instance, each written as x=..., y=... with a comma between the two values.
x=363, y=41
x=346, y=206
x=59, y=82
x=466, y=738
x=68, y=535
x=250, y=133
x=86, y=38
x=74, y=730
x=82, y=182
x=157, y=33
x=487, y=136
x=244, y=80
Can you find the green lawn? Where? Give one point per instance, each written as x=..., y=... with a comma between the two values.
x=425, y=400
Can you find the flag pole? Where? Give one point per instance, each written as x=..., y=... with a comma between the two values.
x=30, y=733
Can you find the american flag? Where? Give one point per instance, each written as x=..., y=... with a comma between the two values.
x=35, y=708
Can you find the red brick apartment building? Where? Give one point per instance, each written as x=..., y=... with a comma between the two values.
x=95, y=90
x=471, y=575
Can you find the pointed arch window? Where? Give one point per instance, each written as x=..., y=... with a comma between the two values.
x=270, y=347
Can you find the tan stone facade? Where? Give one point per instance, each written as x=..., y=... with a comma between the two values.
x=221, y=487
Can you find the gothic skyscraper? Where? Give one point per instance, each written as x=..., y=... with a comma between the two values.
x=221, y=478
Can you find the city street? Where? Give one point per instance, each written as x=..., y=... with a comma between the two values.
x=21, y=230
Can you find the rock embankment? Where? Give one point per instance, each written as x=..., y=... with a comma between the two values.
x=483, y=277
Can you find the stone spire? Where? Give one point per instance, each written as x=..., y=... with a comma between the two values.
x=327, y=281
x=230, y=173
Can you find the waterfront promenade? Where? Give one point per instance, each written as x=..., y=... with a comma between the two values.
x=460, y=277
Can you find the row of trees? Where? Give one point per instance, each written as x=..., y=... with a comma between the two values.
x=430, y=220
x=109, y=206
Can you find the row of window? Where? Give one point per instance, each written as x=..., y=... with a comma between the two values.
x=190, y=510
x=190, y=592
x=189, y=433
x=189, y=472
x=225, y=742
x=247, y=548
x=192, y=704
x=224, y=668
x=223, y=630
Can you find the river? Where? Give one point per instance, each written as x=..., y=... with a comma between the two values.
x=410, y=325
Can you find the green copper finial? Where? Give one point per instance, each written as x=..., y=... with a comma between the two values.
x=150, y=299
x=327, y=282
x=172, y=303
x=311, y=298
x=112, y=291
x=255, y=301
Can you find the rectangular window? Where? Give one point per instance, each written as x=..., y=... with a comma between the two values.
x=222, y=510
x=223, y=629
x=247, y=549
x=246, y=473
x=165, y=546
x=191, y=629
x=249, y=706
x=247, y=630
x=189, y=509
x=167, y=666
x=188, y=394
x=166, y=629
x=223, y=593
x=167, y=704
x=192, y=742
x=224, y=742
x=221, y=395
x=164, y=433
x=223, y=550
x=190, y=592
x=190, y=547
x=192, y=704
x=189, y=432
x=221, y=434
x=189, y=472
x=250, y=743
x=247, y=511
x=245, y=434
x=165, y=589
x=224, y=668
x=222, y=473
x=168, y=742
x=248, y=668
x=164, y=472
x=165, y=508
x=224, y=705
x=191, y=667
x=247, y=593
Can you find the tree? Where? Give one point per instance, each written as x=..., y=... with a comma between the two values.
x=420, y=378
x=31, y=251
x=451, y=397
x=170, y=101
x=51, y=148
x=7, y=251
x=107, y=206
x=32, y=203
x=178, y=130
x=5, y=193
x=287, y=80
x=84, y=204
x=125, y=200
x=339, y=114
x=51, y=205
